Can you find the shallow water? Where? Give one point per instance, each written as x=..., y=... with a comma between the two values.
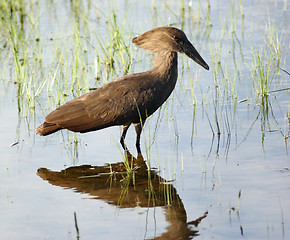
x=231, y=185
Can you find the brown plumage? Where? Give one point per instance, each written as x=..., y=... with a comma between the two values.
x=129, y=99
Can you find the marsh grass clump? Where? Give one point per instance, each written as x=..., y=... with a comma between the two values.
x=224, y=78
x=21, y=54
x=12, y=15
x=263, y=74
x=266, y=61
x=120, y=45
x=115, y=52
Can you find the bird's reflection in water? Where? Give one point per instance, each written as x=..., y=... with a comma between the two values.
x=128, y=184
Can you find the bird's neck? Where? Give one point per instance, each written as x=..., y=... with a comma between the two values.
x=165, y=66
x=164, y=75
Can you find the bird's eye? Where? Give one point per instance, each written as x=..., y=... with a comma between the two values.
x=178, y=40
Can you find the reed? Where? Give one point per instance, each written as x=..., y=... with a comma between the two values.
x=115, y=52
x=266, y=61
x=263, y=74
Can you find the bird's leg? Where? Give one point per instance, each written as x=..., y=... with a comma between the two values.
x=138, y=129
x=122, y=140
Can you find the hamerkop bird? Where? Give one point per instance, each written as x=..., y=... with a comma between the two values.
x=129, y=99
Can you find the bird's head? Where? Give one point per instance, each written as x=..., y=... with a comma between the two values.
x=170, y=39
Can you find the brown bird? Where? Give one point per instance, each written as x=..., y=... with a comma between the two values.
x=131, y=98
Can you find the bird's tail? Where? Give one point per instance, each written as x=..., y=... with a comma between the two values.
x=47, y=128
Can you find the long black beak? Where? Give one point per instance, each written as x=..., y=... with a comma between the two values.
x=190, y=51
